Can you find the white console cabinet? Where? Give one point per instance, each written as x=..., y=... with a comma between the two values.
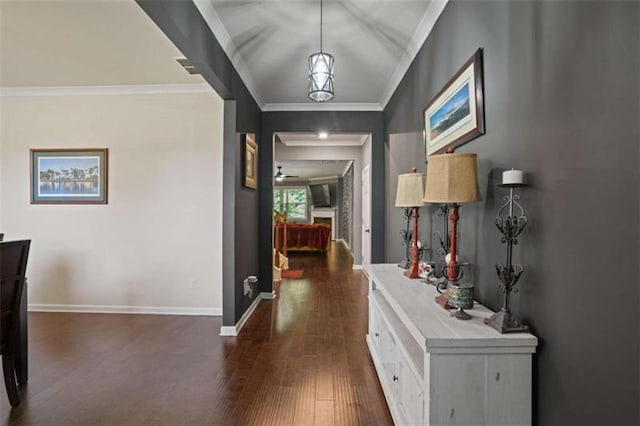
x=437, y=370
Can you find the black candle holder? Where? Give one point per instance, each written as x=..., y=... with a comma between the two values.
x=443, y=211
x=407, y=236
x=510, y=227
x=443, y=239
x=407, y=239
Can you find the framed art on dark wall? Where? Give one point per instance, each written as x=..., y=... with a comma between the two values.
x=456, y=114
x=69, y=176
x=250, y=163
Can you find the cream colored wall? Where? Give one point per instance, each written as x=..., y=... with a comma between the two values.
x=160, y=233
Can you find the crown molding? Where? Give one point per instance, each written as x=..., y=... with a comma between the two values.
x=211, y=17
x=328, y=106
x=323, y=142
x=319, y=178
x=143, y=89
x=434, y=10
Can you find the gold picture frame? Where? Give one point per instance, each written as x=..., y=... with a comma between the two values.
x=250, y=163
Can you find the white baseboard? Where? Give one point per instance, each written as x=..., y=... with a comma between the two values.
x=343, y=241
x=234, y=330
x=358, y=267
x=268, y=295
x=106, y=309
x=364, y=271
x=228, y=331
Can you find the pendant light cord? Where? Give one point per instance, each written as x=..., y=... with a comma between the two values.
x=320, y=26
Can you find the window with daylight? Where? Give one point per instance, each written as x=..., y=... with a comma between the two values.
x=291, y=200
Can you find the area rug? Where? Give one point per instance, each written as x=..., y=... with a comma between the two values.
x=292, y=273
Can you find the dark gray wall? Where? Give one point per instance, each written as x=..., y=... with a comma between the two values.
x=314, y=121
x=403, y=152
x=185, y=27
x=562, y=103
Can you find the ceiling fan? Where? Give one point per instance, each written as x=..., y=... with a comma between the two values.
x=281, y=176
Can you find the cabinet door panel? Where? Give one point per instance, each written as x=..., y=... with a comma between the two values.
x=412, y=398
x=509, y=389
x=374, y=326
x=458, y=383
x=388, y=354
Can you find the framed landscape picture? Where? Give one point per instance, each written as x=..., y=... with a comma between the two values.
x=250, y=166
x=69, y=176
x=456, y=114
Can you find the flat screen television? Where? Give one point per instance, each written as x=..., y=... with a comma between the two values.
x=320, y=195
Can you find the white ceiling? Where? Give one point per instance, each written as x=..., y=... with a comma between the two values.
x=373, y=42
x=312, y=139
x=84, y=43
x=310, y=169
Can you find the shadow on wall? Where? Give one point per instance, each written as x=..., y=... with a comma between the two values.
x=60, y=272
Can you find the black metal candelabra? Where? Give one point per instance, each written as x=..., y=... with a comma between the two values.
x=443, y=211
x=443, y=250
x=407, y=236
x=407, y=239
x=443, y=238
x=510, y=227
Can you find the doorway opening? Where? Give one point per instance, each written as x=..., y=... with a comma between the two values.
x=318, y=196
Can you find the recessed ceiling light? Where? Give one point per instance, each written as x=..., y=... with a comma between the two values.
x=323, y=135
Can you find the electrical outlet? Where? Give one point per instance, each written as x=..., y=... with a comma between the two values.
x=193, y=285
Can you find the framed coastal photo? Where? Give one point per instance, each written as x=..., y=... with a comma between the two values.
x=69, y=176
x=250, y=166
x=456, y=114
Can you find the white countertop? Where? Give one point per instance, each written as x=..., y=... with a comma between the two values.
x=433, y=326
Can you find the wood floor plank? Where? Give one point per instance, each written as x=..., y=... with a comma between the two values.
x=324, y=413
x=301, y=359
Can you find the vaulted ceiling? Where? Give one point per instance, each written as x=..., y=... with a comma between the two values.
x=269, y=41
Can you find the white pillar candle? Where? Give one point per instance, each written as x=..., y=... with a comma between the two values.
x=512, y=177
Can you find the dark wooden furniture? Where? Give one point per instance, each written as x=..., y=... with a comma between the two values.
x=13, y=265
x=298, y=236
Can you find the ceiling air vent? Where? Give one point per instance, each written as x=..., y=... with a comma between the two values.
x=187, y=65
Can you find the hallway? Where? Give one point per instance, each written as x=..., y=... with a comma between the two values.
x=316, y=346
x=301, y=359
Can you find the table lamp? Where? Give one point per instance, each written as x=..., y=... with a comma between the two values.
x=410, y=194
x=453, y=179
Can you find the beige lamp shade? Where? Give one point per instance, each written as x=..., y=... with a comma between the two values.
x=410, y=190
x=452, y=178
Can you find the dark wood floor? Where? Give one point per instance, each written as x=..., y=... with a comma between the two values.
x=301, y=359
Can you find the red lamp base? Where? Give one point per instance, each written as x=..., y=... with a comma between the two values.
x=443, y=301
x=412, y=272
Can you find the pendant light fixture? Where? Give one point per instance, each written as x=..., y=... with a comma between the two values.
x=321, y=73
